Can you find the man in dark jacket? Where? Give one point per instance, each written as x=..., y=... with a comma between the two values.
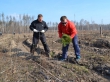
x=39, y=27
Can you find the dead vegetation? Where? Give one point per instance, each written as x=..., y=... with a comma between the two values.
x=17, y=64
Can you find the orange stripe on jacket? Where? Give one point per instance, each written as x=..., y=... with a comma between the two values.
x=69, y=29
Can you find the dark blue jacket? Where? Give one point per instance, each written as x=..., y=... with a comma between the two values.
x=38, y=26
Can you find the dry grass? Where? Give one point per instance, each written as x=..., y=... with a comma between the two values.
x=17, y=69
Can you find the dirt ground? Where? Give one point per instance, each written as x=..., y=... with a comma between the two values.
x=18, y=65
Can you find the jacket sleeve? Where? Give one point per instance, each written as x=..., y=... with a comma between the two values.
x=31, y=26
x=73, y=30
x=59, y=31
x=46, y=27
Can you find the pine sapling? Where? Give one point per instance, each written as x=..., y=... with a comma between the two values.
x=65, y=40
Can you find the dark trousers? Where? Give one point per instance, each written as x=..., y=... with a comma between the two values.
x=36, y=40
x=75, y=46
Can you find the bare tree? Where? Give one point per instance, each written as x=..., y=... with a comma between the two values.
x=9, y=24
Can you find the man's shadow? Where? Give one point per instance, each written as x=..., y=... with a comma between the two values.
x=68, y=60
x=38, y=50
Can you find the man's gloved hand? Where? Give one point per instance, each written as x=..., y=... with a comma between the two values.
x=34, y=30
x=43, y=31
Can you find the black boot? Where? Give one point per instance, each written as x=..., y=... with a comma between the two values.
x=48, y=54
x=32, y=49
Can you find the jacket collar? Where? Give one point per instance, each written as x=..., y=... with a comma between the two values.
x=38, y=21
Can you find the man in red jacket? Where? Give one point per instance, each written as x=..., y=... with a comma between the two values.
x=68, y=27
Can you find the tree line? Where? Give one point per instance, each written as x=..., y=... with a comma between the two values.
x=20, y=24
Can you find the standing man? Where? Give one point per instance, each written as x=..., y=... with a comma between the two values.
x=68, y=27
x=39, y=27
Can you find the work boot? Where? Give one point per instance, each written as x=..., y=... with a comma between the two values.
x=48, y=54
x=62, y=59
x=77, y=59
x=32, y=50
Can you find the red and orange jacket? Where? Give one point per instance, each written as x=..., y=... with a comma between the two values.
x=69, y=29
